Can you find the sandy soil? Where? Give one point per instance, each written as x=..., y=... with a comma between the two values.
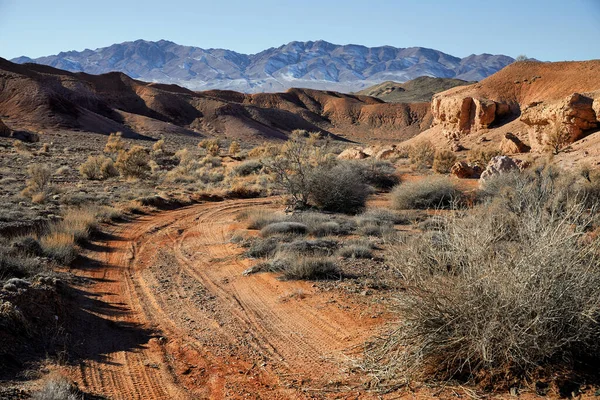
x=185, y=323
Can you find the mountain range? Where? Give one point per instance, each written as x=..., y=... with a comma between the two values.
x=317, y=65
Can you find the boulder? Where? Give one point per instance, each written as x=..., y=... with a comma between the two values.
x=386, y=153
x=465, y=170
x=456, y=147
x=25, y=136
x=499, y=165
x=511, y=144
x=4, y=130
x=355, y=153
x=370, y=151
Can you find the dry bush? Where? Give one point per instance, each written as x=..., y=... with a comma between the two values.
x=62, y=170
x=309, y=268
x=259, y=218
x=403, y=152
x=59, y=246
x=377, y=173
x=210, y=161
x=244, y=190
x=159, y=146
x=507, y=292
x=78, y=222
x=45, y=149
x=265, y=150
x=98, y=168
x=133, y=163
x=114, y=143
x=443, y=161
x=284, y=227
x=212, y=146
x=234, y=148
x=248, y=167
x=338, y=189
x=356, y=250
x=38, y=182
x=21, y=147
x=58, y=388
x=482, y=157
x=429, y=192
x=422, y=155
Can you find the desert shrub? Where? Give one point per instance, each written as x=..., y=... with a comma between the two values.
x=244, y=190
x=482, y=157
x=210, y=161
x=285, y=227
x=356, y=250
x=309, y=268
x=78, y=222
x=38, y=182
x=98, y=168
x=184, y=156
x=377, y=173
x=503, y=293
x=159, y=146
x=62, y=170
x=422, y=155
x=264, y=150
x=19, y=258
x=338, y=189
x=262, y=247
x=58, y=388
x=443, y=161
x=45, y=149
x=133, y=163
x=429, y=192
x=212, y=146
x=374, y=229
x=59, y=246
x=234, y=148
x=248, y=167
x=314, y=247
x=379, y=216
x=327, y=228
x=114, y=143
x=259, y=218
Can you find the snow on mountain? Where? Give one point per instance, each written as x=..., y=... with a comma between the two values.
x=317, y=65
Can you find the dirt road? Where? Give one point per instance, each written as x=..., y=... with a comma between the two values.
x=174, y=318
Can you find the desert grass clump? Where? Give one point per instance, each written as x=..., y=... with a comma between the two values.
x=377, y=173
x=443, y=161
x=264, y=150
x=38, y=182
x=284, y=228
x=21, y=147
x=78, y=222
x=59, y=246
x=429, y=192
x=115, y=143
x=58, y=388
x=422, y=155
x=356, y=249
x=259, y=218
x=309, y=268
x=98, y=168
x=502, y=294
x=133, y=163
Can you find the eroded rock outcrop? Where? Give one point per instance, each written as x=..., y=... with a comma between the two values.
x=569, y=118
x=353, y=154
x=460, y=115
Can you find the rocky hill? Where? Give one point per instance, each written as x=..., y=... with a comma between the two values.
x=40, y=98
x=540, y=103
x=317, y=65
x=416, y=90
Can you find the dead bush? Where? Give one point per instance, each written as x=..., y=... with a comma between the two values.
x=59, y=246
x=377, y=173
x=248, y=167
x=506, y=292
x=38, y=182
x=21, y=147
x=422, y=155
x=234, y=148
x=98, y=168
x=309, y=268
x=133, y=163
x=159, y=146
x=284, y=227
x=557, y=139
x=443, y=161
x=115, y=143
x=58, y=388
x=429, y=192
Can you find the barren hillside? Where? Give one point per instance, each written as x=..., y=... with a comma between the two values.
x=39, y=98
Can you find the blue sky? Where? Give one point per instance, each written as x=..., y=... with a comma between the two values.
x=549, y=30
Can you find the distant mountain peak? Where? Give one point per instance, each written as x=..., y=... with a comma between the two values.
x=311, y=64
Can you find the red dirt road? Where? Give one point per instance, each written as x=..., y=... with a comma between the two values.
x=181, y=321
